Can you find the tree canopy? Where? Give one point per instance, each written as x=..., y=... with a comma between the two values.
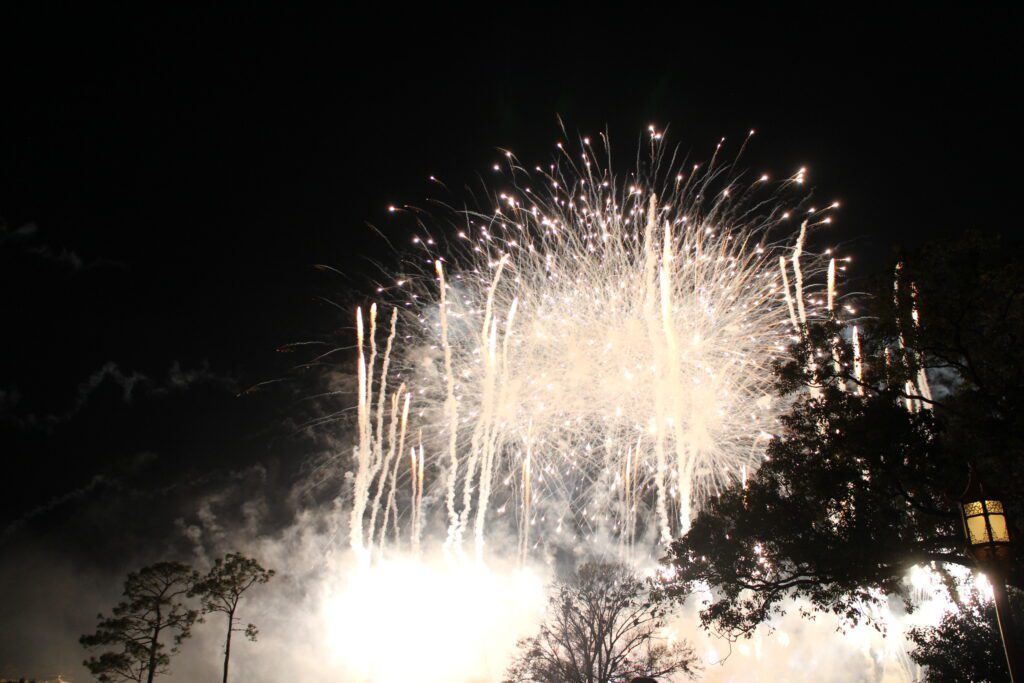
x=965, y=645
x=153, y=609
x=602, y=626
x=221, y=590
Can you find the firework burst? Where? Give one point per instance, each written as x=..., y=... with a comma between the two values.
x=589, y=357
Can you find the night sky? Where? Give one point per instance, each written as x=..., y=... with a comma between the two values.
x=169, y=181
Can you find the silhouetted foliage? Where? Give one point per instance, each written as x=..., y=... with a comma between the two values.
x=221, y=591
x=153, y=609
x=861, y=482
x=965, y=645
x=602, y=626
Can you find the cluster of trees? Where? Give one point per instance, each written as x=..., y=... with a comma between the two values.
x=864, y=479
x=162, y=602
x=861, y=484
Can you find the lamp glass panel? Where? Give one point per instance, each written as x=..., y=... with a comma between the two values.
x=976, y=531
x=994, y=506
x=999, y=531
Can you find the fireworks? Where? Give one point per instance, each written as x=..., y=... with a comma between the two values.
x=589, y=358
x=578, y=367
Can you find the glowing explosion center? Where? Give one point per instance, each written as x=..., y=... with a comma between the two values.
x=592, y=364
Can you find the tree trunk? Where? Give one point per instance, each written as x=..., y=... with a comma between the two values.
x=152, y=648
x=227, y=645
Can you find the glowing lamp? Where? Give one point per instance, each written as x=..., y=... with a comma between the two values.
x=984, y=518
x=988, y=542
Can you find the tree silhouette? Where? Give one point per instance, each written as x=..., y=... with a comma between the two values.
x=602, y=626
x=861, y=481
x=152, y=609
x=221, y=591
x=965, y=645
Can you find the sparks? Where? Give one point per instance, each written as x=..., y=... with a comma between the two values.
x=606, y=347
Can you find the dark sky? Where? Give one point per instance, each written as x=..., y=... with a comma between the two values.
x=169, y=179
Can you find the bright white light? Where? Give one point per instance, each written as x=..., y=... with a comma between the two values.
x=429, y=621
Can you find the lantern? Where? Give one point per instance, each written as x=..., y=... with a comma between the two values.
x=988, y=542
x=984, y=518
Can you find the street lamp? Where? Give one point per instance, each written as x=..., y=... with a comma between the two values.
x=988, y=543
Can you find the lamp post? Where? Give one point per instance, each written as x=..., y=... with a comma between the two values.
x=988, y=544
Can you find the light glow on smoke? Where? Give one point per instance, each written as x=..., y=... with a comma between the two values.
x=414, y=619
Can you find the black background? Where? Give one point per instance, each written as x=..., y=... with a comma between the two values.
x=185, y=169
